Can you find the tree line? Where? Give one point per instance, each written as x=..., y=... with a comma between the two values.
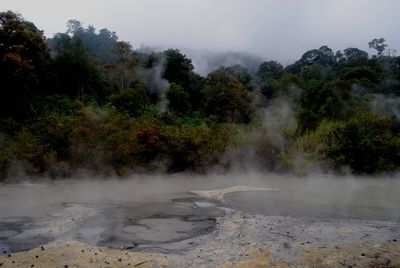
x=83, y=99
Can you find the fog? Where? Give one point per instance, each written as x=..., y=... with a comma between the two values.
x=278, y=30
x=359, y=197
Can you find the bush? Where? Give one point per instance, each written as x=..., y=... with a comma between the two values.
x=226, y=99
x=368, y=144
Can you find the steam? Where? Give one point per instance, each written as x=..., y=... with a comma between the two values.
x=385, y=105
x=268, y=147
x=278, y=118
x=156, y=84
x=205, y=62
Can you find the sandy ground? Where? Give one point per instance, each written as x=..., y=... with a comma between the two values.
x=242, y=239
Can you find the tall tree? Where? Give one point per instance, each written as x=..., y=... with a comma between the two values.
x=121, y=71
x=226, y=99
x=24, y=62
x=379, y=45
x=178, y=67
x=77, y=72
x=270, y=70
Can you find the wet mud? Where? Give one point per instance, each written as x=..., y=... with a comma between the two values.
x=275, y=225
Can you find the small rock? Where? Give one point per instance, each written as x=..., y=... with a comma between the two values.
x=363, y=254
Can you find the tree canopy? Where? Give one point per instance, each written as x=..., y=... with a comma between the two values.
x=85, y=99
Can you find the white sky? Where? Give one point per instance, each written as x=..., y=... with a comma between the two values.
x=282, y=30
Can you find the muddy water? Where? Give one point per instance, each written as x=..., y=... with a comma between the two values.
x=366, y=199
x=150, y=213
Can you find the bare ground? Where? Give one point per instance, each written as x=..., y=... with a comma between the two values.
x=242, y=239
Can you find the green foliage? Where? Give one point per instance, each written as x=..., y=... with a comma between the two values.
x=314, y=72
x=270, y=70
x=323, y=56
x=87, y=105
x=379, y=45
x=179, y=99
x=358, y=73
x=24, y=64
x=77, y=75
x=226, y=99
x=316, y=143
x=178, y=67
x=285, y=86
x=319, y=101
x=132, y=101
x=367, y=144
x=101, y=44
x=240, y=74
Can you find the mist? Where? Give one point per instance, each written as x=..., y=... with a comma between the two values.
x=333, y=194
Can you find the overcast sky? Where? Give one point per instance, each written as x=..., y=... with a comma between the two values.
x=282, y=30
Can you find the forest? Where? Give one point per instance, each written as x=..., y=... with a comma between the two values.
x=83, y=100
